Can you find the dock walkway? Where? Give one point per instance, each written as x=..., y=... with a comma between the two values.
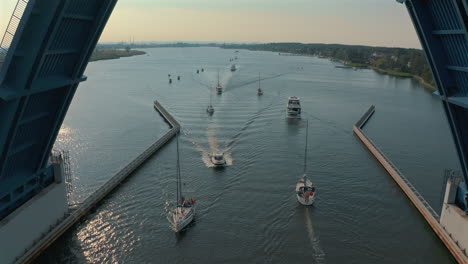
x=415, y=197
x=81, y=210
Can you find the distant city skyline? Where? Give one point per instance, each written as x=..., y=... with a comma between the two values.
x=364, y=22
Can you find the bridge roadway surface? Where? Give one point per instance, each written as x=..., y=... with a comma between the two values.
x=83, y=208
x=415, y=197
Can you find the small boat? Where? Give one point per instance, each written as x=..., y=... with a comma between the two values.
x=218, y=159
x=184, y=212
x=170, y=80
x=198, y=71
x=294, y=107
x=259, y=90
x=210, y=109
x=178, y=78
x=233, y=68
x=219, y=88
x=202, y=70
x=305, y=190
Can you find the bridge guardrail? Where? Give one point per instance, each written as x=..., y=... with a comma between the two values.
x=8, y=39
x=79, y=211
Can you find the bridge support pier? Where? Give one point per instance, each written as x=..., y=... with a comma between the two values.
x=453, y=219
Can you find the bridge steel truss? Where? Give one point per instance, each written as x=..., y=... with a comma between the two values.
x=442, y=26
x=43, y=65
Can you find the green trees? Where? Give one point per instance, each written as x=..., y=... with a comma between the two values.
x=395, y=61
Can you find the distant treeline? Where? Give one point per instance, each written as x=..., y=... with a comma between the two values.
x=143, y=45
x=393, y=61
x=111, y=53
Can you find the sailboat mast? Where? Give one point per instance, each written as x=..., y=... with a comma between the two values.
x=179, y=185
x=259, y=81
x=305, y=150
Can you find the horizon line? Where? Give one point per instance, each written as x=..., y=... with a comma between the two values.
x=248, y=43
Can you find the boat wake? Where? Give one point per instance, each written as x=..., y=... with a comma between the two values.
x=249, y=122
x=210, y=81
x=314, y=239
x=213, y=147
x=255, y=80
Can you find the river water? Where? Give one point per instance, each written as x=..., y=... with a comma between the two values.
x=247, y=212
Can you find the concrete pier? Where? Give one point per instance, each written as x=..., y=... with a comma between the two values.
x=413, y=195
x=56, y=231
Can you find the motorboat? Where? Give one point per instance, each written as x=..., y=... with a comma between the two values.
x=218, y=159
x=294, y=107
x=305, y=190
x=210, y=109
x=184, y=211
x=219, y=88
x=233, y=68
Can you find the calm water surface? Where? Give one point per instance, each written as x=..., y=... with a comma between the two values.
x=247, y=212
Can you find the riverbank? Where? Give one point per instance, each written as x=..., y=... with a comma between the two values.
x=387, y=72
x=111, y=54
x=424, y=83
x=404, y=75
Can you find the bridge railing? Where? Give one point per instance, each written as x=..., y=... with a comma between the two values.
x=12, y=28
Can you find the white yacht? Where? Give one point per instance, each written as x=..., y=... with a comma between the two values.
x=219, y=88
x=218, y=159
x=305, y=190
x=293, y=107
x=184, y=212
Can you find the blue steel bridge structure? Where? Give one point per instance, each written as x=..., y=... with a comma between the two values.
x=48, y=43
x=43, y=56
x=442, y=28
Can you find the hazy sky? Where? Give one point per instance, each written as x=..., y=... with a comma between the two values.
x=366, y=22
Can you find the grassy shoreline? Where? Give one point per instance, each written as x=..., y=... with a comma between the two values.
x=404, y=75
x=111, y=54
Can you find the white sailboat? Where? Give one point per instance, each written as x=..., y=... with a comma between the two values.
x=305, y=190
x=184, y=212
x=219, y=88
x=210, y=108
x=259, y=90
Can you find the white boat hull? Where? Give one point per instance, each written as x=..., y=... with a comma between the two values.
x=301, y=198
x=293, y=113
x=293, y=116
x=304, y=201
x=180, y=217
x=218, y=163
